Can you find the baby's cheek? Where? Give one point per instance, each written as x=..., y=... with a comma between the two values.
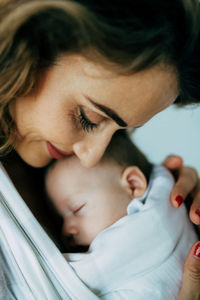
x=90, y=229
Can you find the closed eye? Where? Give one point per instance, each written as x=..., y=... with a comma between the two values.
x=86, y=124
x=76, y=211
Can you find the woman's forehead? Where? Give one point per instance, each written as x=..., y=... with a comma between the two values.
x=135, y=98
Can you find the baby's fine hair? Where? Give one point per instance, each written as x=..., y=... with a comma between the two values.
x=124, y=152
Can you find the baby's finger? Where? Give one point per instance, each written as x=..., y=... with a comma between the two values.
x=187, y=180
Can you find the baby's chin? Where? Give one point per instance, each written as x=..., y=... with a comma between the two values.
x=70, y=246
x=78, y=249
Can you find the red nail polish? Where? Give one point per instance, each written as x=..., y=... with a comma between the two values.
x=197, y=250
x=197, y=212
x=179, y=200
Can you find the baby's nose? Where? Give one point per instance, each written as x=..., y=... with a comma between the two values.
x=69, y=228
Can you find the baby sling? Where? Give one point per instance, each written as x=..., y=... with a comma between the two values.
x=31, y=266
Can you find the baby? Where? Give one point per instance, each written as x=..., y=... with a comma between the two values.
x=121, y=210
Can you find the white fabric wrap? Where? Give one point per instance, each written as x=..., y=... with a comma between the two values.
x=31, y=266
x=142, y=255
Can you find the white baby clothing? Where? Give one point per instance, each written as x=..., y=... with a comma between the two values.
x=141, y=256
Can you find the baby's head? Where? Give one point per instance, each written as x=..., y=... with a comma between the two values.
x=90, y=200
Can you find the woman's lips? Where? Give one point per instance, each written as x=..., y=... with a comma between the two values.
x=56, y=153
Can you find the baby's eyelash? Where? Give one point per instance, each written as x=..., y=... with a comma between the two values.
x=86, y=124
x=76, y=211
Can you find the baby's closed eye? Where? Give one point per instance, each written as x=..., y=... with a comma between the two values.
x=79, y=210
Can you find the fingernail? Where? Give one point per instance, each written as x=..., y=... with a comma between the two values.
x=197, y=212
x=197, y=250
x=179, y=200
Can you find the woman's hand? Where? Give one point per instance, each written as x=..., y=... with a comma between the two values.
x=190, y=289
x=187, y=187
x=187, y=184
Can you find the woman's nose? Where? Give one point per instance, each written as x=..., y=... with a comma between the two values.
x=91, y=149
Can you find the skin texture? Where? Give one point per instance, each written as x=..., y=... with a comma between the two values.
x=52, y=112
x=90, y=200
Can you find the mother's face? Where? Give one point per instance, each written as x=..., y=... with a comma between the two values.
x=78, y=105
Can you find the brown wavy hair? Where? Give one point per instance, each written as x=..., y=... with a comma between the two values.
x=126, y=35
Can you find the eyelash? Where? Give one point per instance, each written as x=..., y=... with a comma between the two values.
x=78, y=209
x=86, y=124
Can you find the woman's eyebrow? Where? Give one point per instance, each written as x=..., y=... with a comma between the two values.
x=109, y=112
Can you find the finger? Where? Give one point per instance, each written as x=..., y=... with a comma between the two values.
x=195, y=207
x=190, y=289
x=187, y=180
x=173, y=162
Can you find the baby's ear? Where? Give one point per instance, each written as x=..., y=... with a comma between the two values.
x=134, y=181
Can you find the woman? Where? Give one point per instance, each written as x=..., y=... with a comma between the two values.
x=72, y=73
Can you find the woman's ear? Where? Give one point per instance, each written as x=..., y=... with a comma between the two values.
x=134, y=181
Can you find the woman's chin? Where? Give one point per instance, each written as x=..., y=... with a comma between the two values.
x=34, y=160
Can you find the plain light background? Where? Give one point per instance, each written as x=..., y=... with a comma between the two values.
x=173, y=131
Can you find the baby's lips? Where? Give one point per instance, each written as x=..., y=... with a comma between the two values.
x=71, y=246
x=69, y=243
